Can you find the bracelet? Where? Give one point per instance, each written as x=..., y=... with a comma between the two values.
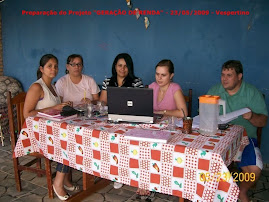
x=164, y=111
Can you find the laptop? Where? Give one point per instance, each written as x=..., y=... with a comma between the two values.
x=130, y=104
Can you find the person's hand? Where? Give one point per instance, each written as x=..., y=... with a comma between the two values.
x=60, y=106
x=158, y=112
x=86, y=101
x=248, y=115
x=70, y=103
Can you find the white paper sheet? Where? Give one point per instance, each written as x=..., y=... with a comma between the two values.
x=222, y=120
x=233, y=115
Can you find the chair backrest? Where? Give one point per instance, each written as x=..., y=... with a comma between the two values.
x=259, y=133
x=15, y=125
x=188, y=99
x=259, y=136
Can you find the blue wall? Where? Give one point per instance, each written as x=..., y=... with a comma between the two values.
x=198, y=45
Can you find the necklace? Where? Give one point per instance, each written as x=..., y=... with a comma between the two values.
x=161, y=94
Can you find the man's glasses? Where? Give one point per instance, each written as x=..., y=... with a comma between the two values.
x=74, y=64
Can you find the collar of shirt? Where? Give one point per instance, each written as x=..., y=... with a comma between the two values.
x=240, y=92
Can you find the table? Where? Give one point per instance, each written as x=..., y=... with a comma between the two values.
x=176, y=168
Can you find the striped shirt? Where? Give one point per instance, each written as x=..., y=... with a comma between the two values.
x=137, y=83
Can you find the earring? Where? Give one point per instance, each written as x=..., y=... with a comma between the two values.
x=66, y=71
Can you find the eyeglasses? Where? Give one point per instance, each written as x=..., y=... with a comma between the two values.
x=74, y=64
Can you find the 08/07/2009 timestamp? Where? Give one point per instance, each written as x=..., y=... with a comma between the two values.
x=237, y=177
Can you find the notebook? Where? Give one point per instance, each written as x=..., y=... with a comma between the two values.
x=50, y=113
x=130, y=104
x=55, y=116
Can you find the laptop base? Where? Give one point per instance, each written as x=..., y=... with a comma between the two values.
x=130, y=118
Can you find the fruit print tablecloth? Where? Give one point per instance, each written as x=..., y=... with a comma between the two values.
x=191, y=166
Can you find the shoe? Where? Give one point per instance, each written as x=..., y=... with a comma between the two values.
x=143, y=192
x=73, y=188
x=149, y=197
x=62, y=198
x=117, y=185
x=239, y=200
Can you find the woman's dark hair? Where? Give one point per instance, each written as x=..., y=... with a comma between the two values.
x=43, y=62
x=129, y=62
x=71, y=58
x=167, y=63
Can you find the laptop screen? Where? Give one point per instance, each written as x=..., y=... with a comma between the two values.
x=130, y=104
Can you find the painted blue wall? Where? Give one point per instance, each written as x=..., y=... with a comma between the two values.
x=198, y=45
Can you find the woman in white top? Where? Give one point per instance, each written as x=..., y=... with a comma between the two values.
x=75, y=86
x=41, y=97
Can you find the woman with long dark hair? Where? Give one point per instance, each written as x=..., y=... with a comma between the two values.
x=41, y=97
x=122, y=75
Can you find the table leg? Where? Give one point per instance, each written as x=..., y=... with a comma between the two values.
x=1, y=134
x=87, y=180
x=181, y=199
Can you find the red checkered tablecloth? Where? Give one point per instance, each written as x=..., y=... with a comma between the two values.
x=191, y=166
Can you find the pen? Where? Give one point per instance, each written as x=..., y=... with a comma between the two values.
x=84, y=95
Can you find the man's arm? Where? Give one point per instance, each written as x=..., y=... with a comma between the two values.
x=257, y=120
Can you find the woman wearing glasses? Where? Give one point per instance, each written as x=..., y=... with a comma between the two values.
x=76, y=86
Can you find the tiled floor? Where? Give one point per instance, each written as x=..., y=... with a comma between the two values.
x=34, y=188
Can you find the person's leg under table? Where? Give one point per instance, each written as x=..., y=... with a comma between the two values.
x=251, y=165
x=246, y=185
x=89, y=187
x=58, y=184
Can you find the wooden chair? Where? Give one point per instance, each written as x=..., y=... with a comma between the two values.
x=259, y=136
x=1, y=134
x=259, y=133
x=18, y=103
x=188, y=99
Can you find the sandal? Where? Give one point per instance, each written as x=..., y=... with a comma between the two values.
x=73, y=188
x=142, y=192
x=117, y=185
x=62, y=198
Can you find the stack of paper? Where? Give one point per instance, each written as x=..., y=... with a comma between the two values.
x=222, y=119
x=232, y=115
x=148, y=135
x=50, y=113
x=55, y=115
